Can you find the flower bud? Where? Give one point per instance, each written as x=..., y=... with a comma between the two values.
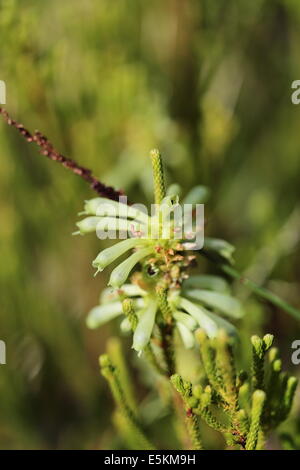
x=268, y=341
x=258, y=345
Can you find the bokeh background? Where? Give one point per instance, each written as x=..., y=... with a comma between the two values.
x=206, y=81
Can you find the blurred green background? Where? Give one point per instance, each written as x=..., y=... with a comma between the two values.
x=209, y=83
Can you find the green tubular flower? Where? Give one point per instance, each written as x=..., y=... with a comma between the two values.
x=102, y=314
x=104, y=214
x=87, y=225
x=104, y=207
x=109, y=255
x=207, y=281
x=91, y=206
x=223, y=303
x=102, y=224
x=121, y=272
x=210, y=322
x=145, y=326
x=187, y=337
x=199, y=314
x=127, y=290
x=187, y=320
x=111, y=305
x=155, y=234
x=119, y=216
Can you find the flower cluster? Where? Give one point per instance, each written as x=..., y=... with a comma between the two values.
x=193, y=301
x=191, y=308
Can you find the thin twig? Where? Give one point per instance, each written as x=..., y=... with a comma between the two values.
x=47, y=149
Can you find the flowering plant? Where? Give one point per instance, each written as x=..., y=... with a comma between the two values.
x=162, y=291
x=161, y=300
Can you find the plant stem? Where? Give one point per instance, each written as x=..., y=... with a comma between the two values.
x=49, y=151
x=167, y=328
x=167, y=347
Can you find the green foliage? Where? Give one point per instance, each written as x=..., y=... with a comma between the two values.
x=227, y=402
x=249, y=411
x=184, y=389
x=107, y=86
x=132, y=425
